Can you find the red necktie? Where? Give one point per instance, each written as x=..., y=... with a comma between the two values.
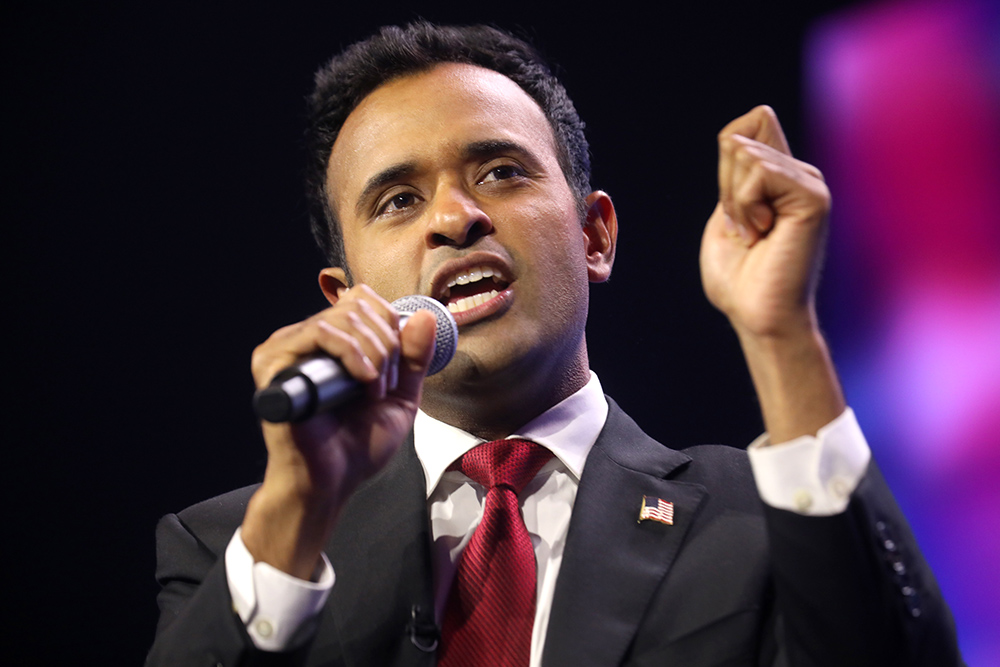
x=491, y=606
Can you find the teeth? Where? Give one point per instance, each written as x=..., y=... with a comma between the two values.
x=474, y=275
x=471, y=301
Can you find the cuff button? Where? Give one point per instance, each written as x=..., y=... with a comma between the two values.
x=264, y=628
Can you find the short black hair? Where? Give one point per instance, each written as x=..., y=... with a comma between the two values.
x=396, y=51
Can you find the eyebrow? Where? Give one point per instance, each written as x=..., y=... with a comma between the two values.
x=381, y=179
x=491, y=147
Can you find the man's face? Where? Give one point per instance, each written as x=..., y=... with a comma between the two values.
x=442, y=178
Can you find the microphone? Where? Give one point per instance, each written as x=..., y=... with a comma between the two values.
x=319, y=383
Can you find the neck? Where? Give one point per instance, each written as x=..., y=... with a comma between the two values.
x=493, y=407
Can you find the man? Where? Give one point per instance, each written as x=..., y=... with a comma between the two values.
x=450, y=163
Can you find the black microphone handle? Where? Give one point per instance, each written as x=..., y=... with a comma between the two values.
x=319, y=383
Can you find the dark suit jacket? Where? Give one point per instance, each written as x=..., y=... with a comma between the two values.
x=731, y=582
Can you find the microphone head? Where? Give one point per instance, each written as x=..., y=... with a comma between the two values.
x=446, y=338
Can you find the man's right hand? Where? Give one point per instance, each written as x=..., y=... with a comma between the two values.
x=314, y=466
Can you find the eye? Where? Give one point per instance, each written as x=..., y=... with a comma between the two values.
x=397, y=202
x=502, y=172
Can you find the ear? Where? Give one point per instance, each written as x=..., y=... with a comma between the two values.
x=332, y=280
x=600, y=232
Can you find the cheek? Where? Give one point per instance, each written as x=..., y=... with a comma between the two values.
x=560, y=238
x=557, y=245
x=382, y=263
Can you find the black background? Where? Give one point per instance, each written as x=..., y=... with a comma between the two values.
x=155, y=232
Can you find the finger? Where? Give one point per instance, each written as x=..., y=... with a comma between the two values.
x=366, y=294
x=378, y=339
x=343, y=332
x=379, y=343
x=727, y=148
x=281, y=349
x=769, y=153
x=760, y=124
x=376, y=323
x=375, y=312
x=727, y=167
x=746, y=156
x=734, y=164
x=785, y=190
x=417, y=350
x=344, y=343
x=755, y=215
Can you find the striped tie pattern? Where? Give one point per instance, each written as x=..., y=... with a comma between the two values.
x=491, y=607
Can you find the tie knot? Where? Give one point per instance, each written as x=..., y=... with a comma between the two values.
x=511, y=463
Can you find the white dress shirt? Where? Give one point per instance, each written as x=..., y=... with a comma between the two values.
x=809, y=475
x=568, y=430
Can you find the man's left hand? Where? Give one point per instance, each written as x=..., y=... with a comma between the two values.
x=760, y=258
x=762, y=246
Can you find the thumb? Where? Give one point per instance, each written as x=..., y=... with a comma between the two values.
x=417, y=350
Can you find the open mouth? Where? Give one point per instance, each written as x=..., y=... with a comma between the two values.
x=473, y=287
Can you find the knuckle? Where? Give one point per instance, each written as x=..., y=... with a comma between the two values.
x=821, y=194
x=393, y=319
x=262, y=366
x=258, y=351
x=758, y=170
x=257, y=360
x=352, y=317
x=366, y=309
x=744, y=156
x=283, y=332
x=354, y=347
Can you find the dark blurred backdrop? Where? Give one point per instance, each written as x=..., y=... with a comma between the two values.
x=155, y=233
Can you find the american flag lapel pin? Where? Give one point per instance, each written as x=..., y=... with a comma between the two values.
x=656, y=509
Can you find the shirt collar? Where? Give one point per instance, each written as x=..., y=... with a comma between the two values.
x=569, y=429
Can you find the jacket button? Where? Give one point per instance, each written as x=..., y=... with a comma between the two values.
x=883, y=530
x=803, y=500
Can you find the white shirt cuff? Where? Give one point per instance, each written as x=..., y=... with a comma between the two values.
x=279, y=610
x=812, y=475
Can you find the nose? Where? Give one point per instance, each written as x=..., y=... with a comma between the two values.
x=456, y=219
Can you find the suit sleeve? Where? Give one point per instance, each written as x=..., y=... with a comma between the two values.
x=197, y=624
x=854, y=589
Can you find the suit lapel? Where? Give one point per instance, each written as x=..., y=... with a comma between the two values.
x=381, y=559
x=613, y=564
